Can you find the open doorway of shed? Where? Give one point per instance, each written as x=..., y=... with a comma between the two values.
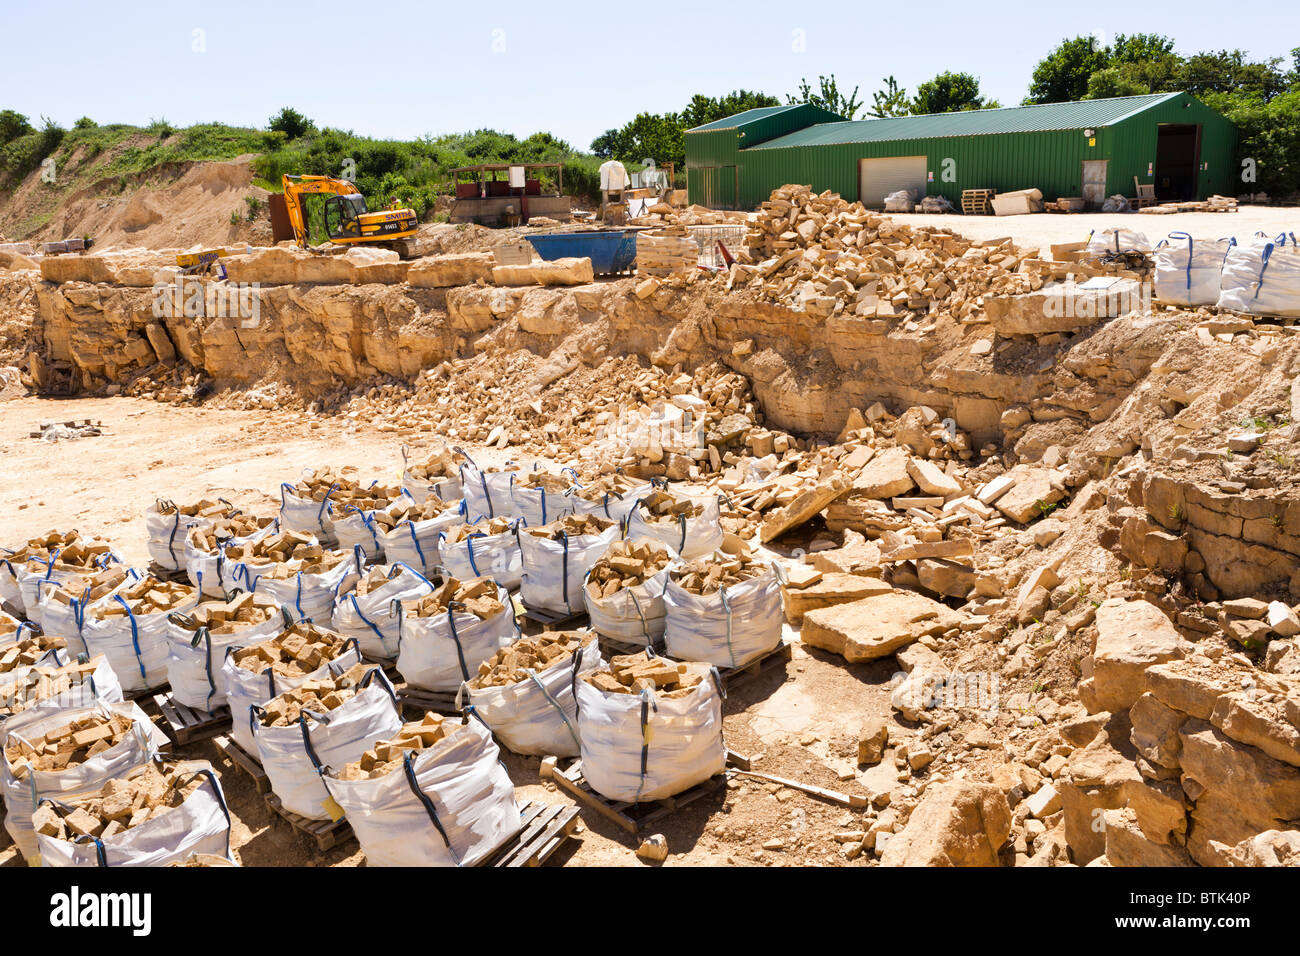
x=877, y=178
x=1178, y=157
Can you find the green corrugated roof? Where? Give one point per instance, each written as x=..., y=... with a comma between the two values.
x=1012, y=119
x=740, y=119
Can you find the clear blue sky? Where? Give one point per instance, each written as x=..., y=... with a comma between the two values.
x=403, y=69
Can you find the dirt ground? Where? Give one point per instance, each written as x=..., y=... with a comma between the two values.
x=1037, y=231
x=798, y=720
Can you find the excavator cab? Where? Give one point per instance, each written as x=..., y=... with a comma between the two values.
x=343, y=216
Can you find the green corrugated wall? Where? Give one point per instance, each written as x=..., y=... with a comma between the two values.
x=1051, y=161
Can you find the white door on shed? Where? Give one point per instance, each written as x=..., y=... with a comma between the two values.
x=877, y=178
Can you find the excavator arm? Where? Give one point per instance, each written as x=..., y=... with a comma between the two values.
x=296, y=187
x=355, y=223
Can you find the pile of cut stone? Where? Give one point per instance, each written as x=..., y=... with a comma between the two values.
x=297, y=652
x=68, y=745
x=633, y=673
x=511, y=664
x=317, y=696
x=478, y=597
x=625, y=565
x=226, y=617
x=387, y=755
x=710, y=574
x=149, y=792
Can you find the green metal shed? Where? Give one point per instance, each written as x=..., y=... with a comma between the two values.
x=1091, y=148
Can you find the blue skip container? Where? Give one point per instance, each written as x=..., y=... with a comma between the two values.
x=611, y=251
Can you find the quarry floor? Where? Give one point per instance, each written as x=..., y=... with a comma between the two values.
x=798, y=720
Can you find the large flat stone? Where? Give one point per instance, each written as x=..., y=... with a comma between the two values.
x=1131, y=636
x=885, y=476
x=877, y=626
x=465, y=268
x=835, y=587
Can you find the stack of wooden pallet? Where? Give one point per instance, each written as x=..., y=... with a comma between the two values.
x=977, y=202
x=666, y=252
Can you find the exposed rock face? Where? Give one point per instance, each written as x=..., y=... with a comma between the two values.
x=955, y=824
x=1131, y=636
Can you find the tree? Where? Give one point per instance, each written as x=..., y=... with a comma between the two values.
x=13, y=125
x=891, y=101
x=1063, y=74
x=1115, y=81
x=949, y=93
x=607, y=144
x=659, y=136
x=1135, y=48
x=828, y=97
x=1229, y=71
x=85, y=123
x=705, y=109
x=290, y=122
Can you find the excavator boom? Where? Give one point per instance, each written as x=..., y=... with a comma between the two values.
x=347, y=220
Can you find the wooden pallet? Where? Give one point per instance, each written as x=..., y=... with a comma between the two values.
x=736, y=676
x=245, y=761
x=327, y=833
x=417, y=698
x=546, y=828
x=633, y=817
x=555, y=620
x=977, y=202
x=610, y=646
x=185, y=725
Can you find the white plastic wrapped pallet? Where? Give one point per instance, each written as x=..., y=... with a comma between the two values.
x=639, y=747
x=482, y=555
x=554, y=571
x=1262, y=277
x=21, y=795
x=452, y=804
x=201, y=824
x=245, y=688
x=1118, y=240
x=294, y=756
x=415, y=543
x=135, y=644
x=536, y=716
x=634, y=615
x=728, y=628
x=488, y=494
x=440, y=651
x=374, y=618
x=1188, y=271
x=308, y=595
x=689, y=537
x=194, y=659
x=308, y=516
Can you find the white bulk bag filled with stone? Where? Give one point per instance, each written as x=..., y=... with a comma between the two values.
x=422, y=487
x=63, y=614
x=23, y=793
x=374, y=619
x=294, y=755
x=728, y=628
x=36, y=690
x=1263, y=278
x=554, y=570
x=415, y=543
x=480, y=555
x=614, y=505
x=536, y=716
x=195, y=658
x=1113, y=241
x=488, y=494
x=689, y=537
x=639, y=747
x=135, y=644
x=211, y=571
x=201, y=824
x=307, y=516
x=440, y=651
x=167, y=528
x=634, y=615
x=245, y=688
x=537, y=503
x=33, y=577
x=358, y=528
x=308, y=595
x=1188, y=271
x=452, y=804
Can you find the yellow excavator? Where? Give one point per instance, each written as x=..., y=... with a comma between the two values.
x=347, y=220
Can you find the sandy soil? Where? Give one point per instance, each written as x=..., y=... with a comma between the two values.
x=798, y=720
x=1037, y=231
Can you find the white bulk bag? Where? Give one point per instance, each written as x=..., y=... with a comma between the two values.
x=135, y=645
x=1188, y=271
x=638, y=747
x=488, y=494
x=452, y=804
x=308, y=595
x=31, y=576
x=554, y=571
x=100, y=684
x=357, y=528
x=448, y=488
x=195, y=658
x=614, y=505
x=9, y=591
x=728, y=628
x=440, y=651
x=1263, y=278
x=482, y=555
x=201, y=824
x=634, y=615
x=374, y=619
x=211, y=571
x=22, y=795
x=245, y=688
x=536, y=716
x=538, y=506
x=1115, y=241
x=66, y=620
x=308, y=516
x=687, y=537
x=294, y=756
x=167, y=532
x=415, y=543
